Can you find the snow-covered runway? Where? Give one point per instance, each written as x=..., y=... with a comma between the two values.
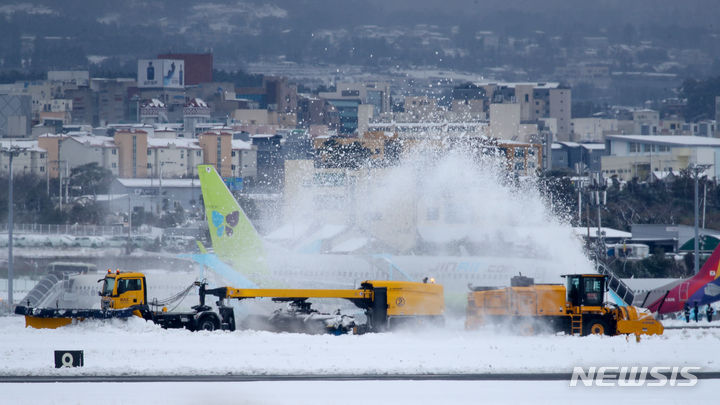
x=136, y=347
x=351, y=392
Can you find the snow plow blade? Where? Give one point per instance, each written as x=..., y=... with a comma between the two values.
x=52, y=318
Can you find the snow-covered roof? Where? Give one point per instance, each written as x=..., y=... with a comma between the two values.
x=31, y=146
x=674, y=140
x=196, y=102
x=593, y=146
x=95, y=141
x=154, y=103
x=240, y=144
x=609, y=232
x=178, y=183
x=181, y=143
x=512, y=85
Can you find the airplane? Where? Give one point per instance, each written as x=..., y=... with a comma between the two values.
x=702, y=288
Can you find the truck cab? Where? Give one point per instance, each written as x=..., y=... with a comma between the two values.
x=123, y=290
x=585, y=290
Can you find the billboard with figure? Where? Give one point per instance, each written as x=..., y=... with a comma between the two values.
x=161, y=73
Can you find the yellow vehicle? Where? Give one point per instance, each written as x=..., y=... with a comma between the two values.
x=576, y=309
x=385, y=304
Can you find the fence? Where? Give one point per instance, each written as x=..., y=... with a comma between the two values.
x=67, y=229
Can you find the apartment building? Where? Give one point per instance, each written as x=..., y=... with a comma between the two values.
x=31, y=158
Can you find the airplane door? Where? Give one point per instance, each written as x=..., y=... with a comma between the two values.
x=684, y=291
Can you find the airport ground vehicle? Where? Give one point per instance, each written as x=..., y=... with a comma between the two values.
x=577, y=309
x=385, y=304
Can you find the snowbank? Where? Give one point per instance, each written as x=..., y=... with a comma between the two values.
x=136, y=347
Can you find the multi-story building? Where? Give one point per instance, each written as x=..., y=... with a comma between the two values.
x=638, y=156
x=196, y=111
x=112, y=99
x=646, y=122
x=132, y=149
x=15, y=115
x=593, y=129
x=536, y=101
x=243, y=159
x=217, y=150
x=579, y=157
x=31, y=158
x=376, y=94
x=40, y=93
x=173, y=157
x=78, y=150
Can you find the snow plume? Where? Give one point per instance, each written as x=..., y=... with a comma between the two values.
x=459, y=202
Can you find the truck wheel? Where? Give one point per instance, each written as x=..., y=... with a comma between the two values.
x=596, y=327
x=208, y=323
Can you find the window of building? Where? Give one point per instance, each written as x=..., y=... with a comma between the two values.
x=114, y=151
x=149, y=166
x=232, y=154
x=634, y=147
x=232, y=167
x=197, y=153
x=114, y=165
x=42, y=168
x=149, y=152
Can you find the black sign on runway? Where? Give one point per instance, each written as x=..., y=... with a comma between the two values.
x=68, y=358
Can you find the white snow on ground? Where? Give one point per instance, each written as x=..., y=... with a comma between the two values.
x=139, y=347
x=353, y=392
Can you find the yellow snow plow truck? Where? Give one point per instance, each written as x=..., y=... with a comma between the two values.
x=576, y=309
x=385, y=304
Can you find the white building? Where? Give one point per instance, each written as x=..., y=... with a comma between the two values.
x=243, y=159
x=593, y=129
x=632, y=156
x=172, y=158
x=31, y=159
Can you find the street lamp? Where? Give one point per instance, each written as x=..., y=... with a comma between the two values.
x=696, y=169
x=12, y=151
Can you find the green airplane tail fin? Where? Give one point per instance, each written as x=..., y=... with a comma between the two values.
x=234, y=239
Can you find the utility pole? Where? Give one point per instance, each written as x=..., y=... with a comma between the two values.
x=696, y=169
x=128, y=249
x=67, y=183
x=12, y=152
x=60, y=184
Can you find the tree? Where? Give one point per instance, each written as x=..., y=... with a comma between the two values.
x=700, y=97
x=91, y=178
